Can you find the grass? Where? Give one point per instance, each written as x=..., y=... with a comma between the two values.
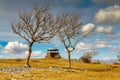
x=89, y=71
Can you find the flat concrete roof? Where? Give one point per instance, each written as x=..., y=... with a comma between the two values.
x=52, y=49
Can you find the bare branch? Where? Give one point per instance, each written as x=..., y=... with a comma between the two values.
x=36, y=26
x=70, y=32
x=71, y=29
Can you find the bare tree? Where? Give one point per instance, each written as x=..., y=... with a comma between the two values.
x=35, y=26
x=71, y=32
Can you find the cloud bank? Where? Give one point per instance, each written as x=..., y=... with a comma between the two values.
x=101, y=44
x=15, y=48
x=106, y=30
x=92, y=47
x=85, y=47
x=20, y=50
x=110, y=15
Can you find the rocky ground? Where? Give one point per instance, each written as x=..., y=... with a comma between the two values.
x=15, y=69
x=18, y=73
x=22, y=69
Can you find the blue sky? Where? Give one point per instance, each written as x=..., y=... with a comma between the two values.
x=103, y=14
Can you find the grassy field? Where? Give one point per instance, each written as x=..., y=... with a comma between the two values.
x=79, y=71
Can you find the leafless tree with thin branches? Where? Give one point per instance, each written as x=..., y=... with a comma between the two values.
x=71, y=32
x=35, y=26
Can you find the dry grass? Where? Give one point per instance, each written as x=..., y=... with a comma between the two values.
x=88, y=71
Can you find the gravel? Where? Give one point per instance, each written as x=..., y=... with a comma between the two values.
x=15, y=69
x=22, y=69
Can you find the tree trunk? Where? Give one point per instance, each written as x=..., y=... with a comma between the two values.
x=69, y=59
x=29, y=55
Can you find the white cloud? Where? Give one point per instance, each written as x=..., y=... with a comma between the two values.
x=109, y=15
x=85, y=47
x=101, y=44
x=20, y=50
x=108, y=45
x=15, y=48
x=1, y=57
x=35, y=54
x=87, y=28
x=115, y=49
x=100, y=29
x=106, y=58
x=91, y=47
x=106, y=30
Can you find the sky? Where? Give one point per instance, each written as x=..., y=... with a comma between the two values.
x=103, y=15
